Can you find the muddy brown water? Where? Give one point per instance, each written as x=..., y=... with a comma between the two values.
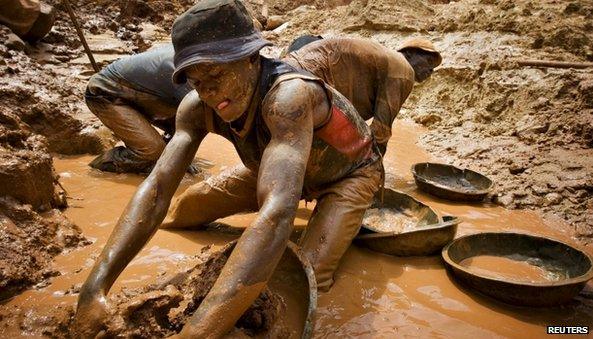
x=374, y=295
x=509, y=269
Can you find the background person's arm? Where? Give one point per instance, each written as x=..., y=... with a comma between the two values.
x=141, y=217
x=280, y=181
x=391, y=94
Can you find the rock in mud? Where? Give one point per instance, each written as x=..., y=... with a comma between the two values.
x=26, y=171
x=13, y=42
x=274, y=22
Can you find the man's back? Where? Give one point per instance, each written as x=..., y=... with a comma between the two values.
x=150, y=72
x=375, y=79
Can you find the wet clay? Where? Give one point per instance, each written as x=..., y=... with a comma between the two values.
x=390, y=220
x=162, y=309
x=514, y=269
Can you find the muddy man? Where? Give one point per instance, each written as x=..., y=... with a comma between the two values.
x=131, y=97
x=374, y=78
x=297, y=138
x=134, y=96
x=135, y=93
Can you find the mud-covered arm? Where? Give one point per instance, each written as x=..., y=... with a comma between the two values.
x=142, y=215
x=391, y=95
x=289, y=118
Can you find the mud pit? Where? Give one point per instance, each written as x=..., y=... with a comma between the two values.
x=374, y=295
x=529, y=129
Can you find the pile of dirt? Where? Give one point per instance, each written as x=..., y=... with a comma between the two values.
x=28, y=186
x=162, y=309
x=43, y=100
x=29, y=242
x=544, y=25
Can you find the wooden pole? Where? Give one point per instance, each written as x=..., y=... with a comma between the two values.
x=80, y=35
x=554, y=64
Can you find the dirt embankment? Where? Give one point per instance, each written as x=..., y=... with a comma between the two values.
x=530, y=129
x=28, y=187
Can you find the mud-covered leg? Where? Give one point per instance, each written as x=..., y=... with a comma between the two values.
x=130, y=126
x=336, y=220
x=232, y=191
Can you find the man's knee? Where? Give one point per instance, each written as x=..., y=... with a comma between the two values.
x=151, y=150
x=185, y=210
x=95, y=99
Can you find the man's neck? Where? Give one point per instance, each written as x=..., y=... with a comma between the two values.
x=239, y=123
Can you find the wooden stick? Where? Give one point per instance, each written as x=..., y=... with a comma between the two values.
x=80, y=35
x=554, y=64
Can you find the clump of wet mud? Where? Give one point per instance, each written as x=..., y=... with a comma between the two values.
x=32, y=231
x=28, y=244
x=161, y=310
x=389, y=220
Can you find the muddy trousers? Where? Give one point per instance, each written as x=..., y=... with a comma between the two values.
x=335, y=221
x=131, y=115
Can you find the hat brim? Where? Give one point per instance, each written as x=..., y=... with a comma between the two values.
x=224, y=51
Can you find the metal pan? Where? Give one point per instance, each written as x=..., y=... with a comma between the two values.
x=566, y=268
x=294, y=280
x=424, y=240
x=404, y=226
x=450, y=182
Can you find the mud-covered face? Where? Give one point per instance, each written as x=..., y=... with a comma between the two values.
x=228, y=87
x=422, y=63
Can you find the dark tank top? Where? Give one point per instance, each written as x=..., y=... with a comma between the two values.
x=341, y=144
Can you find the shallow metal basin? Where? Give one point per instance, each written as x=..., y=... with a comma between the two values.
x=571, y=267
x=450, y=182
x=294, y=280
x=426, y=236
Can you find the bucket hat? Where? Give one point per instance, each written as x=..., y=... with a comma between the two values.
x=422, y=44
x=217, y=31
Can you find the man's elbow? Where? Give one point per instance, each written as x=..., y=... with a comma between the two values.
x=280, y=210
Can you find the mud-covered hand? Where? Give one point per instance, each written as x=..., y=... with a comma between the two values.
x=91, y=315
x=141, y=218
